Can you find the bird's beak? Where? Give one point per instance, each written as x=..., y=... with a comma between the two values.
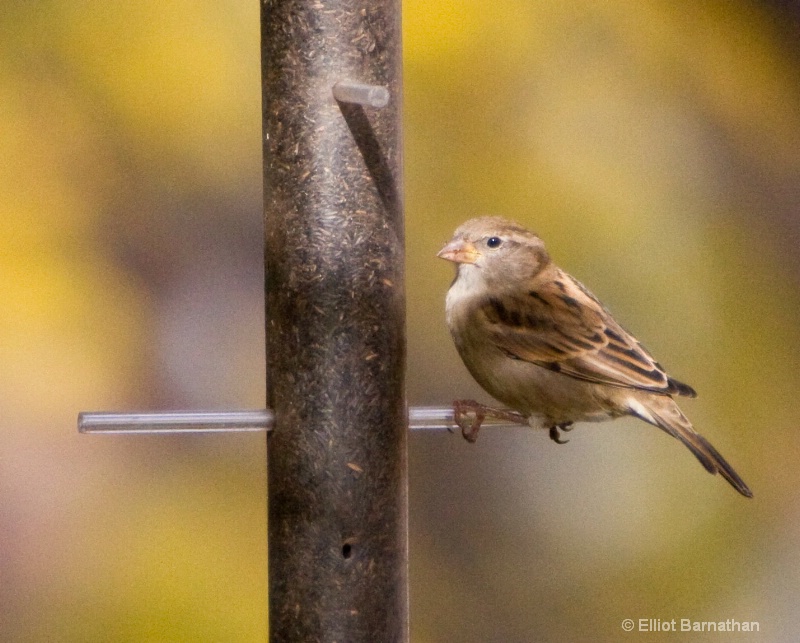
x=459, y=251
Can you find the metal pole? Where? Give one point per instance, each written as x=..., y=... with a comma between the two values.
x=335, y=322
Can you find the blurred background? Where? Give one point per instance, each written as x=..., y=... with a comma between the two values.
x=655, y=146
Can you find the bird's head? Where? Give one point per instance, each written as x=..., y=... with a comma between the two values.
x=501, y=249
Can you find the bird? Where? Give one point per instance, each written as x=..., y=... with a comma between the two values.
x=537, y=340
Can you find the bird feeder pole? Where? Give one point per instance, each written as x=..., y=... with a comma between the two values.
x=335, y=320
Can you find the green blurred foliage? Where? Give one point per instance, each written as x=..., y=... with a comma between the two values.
x=655, y=147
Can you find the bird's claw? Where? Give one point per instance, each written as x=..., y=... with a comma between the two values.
x=555, y=436
x=461, y=411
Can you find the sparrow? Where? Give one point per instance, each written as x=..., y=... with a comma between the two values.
x=540, y=342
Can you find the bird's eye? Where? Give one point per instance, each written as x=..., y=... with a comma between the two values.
x=494, y=242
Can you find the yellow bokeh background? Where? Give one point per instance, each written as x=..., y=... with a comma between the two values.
x=654, y=146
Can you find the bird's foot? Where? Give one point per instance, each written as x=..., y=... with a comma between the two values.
x=469, y=415
x=555, y=436
x=462, y=410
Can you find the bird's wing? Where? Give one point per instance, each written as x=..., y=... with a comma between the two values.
x=561, y=326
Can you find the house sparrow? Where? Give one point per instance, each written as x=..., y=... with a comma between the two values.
x=537, y=340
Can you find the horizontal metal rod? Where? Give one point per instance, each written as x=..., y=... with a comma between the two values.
x=175, y=422
x=420, y=418
x=361, y=94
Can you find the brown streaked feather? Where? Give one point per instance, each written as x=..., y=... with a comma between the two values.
x=666, y=415
x=560, y=325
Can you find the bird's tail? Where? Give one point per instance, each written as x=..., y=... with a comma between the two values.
x=663, y=412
